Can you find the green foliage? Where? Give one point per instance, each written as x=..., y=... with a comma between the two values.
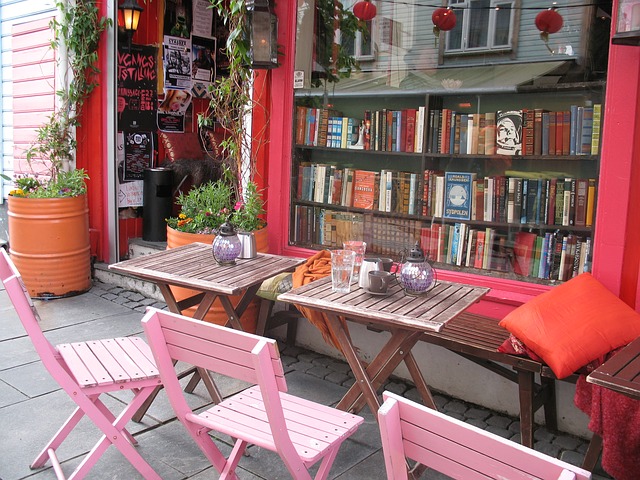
x=332, y=16
x=205, y=208
x=77, y=31
x=66, y=184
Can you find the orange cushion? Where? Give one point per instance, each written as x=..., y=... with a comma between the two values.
x=574, y=324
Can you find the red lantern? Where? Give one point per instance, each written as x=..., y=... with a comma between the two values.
x=444, y=19
x=548, y=21
x=364, y=10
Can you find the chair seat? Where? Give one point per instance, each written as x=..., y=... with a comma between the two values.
x=313, y=428
x=107, y=362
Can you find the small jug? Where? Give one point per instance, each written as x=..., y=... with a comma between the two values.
x=368, y=265
x=248, y=247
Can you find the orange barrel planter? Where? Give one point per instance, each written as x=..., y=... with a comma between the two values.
x=49, y=244
x=217, y=315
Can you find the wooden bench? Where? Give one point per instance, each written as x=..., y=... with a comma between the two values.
x=477, y=338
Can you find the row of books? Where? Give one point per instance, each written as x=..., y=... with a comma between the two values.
x=551, y=256
x=385, y=130
x=386, y=190
x=516, y=132
x=575, y=131
x=330, y=228
x=566, y=201
x=322, y=127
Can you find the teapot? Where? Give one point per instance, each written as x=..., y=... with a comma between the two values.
x=368, y=265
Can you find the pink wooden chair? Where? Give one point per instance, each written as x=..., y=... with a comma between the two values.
x=412, y=431
x=85, y=370
x=302, y=432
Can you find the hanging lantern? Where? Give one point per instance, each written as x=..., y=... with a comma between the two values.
x=548, y=21
x=364, y=10
x=444, y=19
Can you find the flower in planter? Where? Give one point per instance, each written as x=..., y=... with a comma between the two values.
x=65, y=184
x=205, y=208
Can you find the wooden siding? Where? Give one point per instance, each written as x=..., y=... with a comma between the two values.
x=34, y=81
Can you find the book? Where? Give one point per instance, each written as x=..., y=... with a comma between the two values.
x=580, y=217
x=478, y=259
x=527, y=131
x=458, y=195
x=558, y=217
x=478, y=206
x=509, y=132
x=537, y=131
x=591, y=198
x=586, y=132
x=566, y=132
x=595, y=132
x=439, y=196
x=523, y=250
x=490, y=133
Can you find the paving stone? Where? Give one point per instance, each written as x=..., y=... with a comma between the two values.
x=515, y=426
x=567, y=442
x=308, y=357
x=109, y=296
x=440, y=401
x=132, y=305
x=337, y=377
x=318, y=371
x=456, y=415
x=547, y=448
x=115, y=290
x=502, y=432
x=478, y=413
x=324, y=361
x=413, y=395
x=543, y=435
x=341, y=367
x=147, y=302
x=476, y=422
x=349, y=382
x=120, y=300
x=397, y=388
x=574, y=458
x=133, y=296
x=499, y=421
x=301, y=366
x=456, y=406
x=288, y=360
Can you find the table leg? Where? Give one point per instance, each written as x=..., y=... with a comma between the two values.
x=418, y=380
x=382, y=366
x=362, y=379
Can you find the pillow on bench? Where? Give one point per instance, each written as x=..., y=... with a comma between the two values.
x=573, y=324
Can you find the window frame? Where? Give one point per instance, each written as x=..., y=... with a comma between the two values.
x=491, y=22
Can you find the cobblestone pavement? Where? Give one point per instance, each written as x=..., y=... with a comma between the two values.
x=564, y=446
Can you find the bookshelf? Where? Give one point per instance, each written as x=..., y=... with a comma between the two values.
x=498, y=184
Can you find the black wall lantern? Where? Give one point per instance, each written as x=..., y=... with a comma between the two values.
x=263, y=34
x=128, y=17
x=627, y=23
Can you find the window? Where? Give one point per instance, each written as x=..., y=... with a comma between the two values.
x=360, y=47
x=482, y=25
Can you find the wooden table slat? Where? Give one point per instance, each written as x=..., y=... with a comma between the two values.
x=621, y=372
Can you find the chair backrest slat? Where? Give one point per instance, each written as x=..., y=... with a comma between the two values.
x=218, y=349
x=457, y=449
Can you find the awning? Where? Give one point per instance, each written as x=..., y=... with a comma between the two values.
x=470, y=79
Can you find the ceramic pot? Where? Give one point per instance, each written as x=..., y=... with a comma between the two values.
x=49, y=244
x=217, y=314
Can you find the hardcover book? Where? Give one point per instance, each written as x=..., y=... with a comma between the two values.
x=363, y=189
x=458, y=195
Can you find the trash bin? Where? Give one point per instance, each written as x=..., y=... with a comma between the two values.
x=157, y=203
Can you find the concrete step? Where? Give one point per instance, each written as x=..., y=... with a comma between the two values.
x=137, y=248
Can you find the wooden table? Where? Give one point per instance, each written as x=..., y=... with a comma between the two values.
x=405, y=317
x=192, y=266
x=621, y=372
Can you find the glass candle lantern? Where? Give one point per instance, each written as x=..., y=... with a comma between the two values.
x=226, y=246
x=417, y=276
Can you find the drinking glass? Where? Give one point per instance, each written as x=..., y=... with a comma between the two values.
x=342, y=262
x=359, y=248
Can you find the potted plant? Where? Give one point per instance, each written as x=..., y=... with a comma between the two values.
x=202, y=211
x=48, y=212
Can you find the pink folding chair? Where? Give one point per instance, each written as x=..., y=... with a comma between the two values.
x=86, y=370
x=412, y=431
x=302, y=432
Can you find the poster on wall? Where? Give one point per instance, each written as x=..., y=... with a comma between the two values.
x=138, y=154
x=204, y=59
x=172, y=110
x=177, y=18
x=130, y=194
x=176, y=60
x=137, y=88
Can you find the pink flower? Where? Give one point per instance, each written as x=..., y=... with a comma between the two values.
x=238, y=206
